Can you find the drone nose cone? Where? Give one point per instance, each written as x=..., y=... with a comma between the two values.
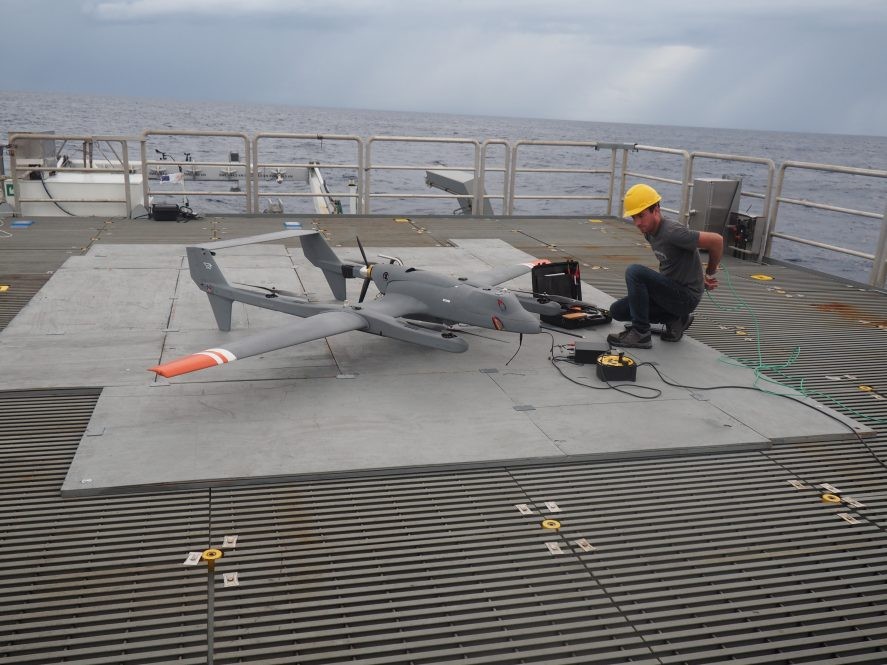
x=514, y=318
x=528, y=324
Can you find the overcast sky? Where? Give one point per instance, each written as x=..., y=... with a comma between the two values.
x=805, y=65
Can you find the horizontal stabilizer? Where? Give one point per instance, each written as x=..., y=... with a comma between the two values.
x=251, y=240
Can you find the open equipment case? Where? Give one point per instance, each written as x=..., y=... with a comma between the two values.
x=561, y=283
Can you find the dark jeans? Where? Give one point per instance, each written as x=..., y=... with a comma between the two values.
x=652, y=298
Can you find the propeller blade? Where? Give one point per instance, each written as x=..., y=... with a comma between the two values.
x=367, y=279
x=362, y=253
x=363, y=289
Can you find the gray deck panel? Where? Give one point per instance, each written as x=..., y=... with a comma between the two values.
x=297, y=431
x=91, y=300
x=529, y=411
x=64, y=359
x=113, y=562
x=615, y=429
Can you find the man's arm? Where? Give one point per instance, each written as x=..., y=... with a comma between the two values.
x=712, y=243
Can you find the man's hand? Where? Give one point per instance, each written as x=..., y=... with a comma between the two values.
x=712, y=243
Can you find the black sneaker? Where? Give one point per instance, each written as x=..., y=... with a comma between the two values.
x=631, y=339
x=674, y=330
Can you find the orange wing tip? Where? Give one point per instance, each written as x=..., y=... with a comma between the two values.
x=194, y=362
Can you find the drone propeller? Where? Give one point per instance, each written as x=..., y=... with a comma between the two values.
x=368, y=278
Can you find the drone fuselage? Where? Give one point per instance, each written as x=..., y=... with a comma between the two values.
x=452, y=300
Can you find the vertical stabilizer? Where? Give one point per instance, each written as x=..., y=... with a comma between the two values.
x=207, y=275
x=221, y=310
x=319, y=253
x=204, y=269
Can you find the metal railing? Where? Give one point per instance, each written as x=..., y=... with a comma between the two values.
x=369, y=168
x=617, y=171
x=88, y=150
x=480, y=193
x=357, y=165
x=771, y=199
x=878, y=272
x=184, y=191
x=516, y=169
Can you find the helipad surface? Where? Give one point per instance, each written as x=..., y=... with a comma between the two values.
x=354, y=403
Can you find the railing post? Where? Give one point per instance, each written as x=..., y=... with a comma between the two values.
x=255, y=173
x=770, y=227
x=367, y=165
x=361, y=164
x=479, y=165
x=685, y=191
x=512, y=176
x=612, y=181
x=879, y=269
x=506, y=175
x=127, y=196
x=481, y=182
x=17, y=208
x=768, y=201
x=143, y=153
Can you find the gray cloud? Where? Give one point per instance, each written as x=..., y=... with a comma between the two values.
x=779, y=64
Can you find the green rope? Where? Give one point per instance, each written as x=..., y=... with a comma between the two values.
x=759, y=367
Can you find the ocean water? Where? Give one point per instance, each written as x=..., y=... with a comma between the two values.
x=105, y=115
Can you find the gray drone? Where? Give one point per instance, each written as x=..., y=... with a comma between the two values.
x=411, y=300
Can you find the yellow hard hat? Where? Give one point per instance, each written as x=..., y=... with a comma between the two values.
x=638, y=198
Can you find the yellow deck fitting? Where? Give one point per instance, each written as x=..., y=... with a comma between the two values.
x=211, y=554
x=551, y=524
x=762, y=278
x=831, y=498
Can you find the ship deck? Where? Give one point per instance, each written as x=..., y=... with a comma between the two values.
x=676, y=543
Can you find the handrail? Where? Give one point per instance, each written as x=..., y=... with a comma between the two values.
x=515, y=169
x=878, y=273
x=359, y=166
x=480, y=180
x=87, y=140
x=772, y=196
x=247, y=164
x=369, y=166
x=480, y=187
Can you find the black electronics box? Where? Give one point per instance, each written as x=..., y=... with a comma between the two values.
x=562, y=280
x=612, y=367
x=587, y=352
x=557, y=279
x=165, y=212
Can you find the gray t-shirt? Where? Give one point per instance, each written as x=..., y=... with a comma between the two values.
x=676, y=247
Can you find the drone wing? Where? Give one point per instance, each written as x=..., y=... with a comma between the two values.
x=304, y=330
x=503, y=274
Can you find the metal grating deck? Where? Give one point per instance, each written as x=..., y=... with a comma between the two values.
x=701, y=559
